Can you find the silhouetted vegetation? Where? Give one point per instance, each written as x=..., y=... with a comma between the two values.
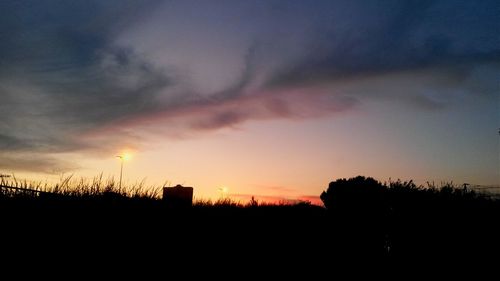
x=400, y=218
x=362, y=218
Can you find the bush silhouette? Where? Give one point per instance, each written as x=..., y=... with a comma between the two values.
x=356, y=195
x=403, y=219
x=359, y=211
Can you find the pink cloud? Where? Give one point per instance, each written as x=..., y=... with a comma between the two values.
x=211, y=114
x=315, y=200
x=270, y=199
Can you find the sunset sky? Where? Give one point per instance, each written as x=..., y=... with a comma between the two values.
x=266, y=98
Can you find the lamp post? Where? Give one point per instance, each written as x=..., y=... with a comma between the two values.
x=121, y=171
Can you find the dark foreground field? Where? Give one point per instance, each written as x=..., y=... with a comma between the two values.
x=363, y=221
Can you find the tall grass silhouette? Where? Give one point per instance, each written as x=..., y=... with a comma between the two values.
x=361, y=218
x=79, y=188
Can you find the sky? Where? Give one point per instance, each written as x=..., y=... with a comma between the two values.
x=272, y=99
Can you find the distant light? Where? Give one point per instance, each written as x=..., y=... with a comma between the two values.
x=223, y=191
x=127, y=156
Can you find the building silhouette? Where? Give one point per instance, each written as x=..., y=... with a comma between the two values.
x=178, y=196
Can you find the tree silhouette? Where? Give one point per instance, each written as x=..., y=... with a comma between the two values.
x=359, y=194
x=359, y=212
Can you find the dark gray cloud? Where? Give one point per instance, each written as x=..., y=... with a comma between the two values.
x=10, y=143
x=60, y=76
x=35, y=162
x=89, y=75
x=395, y=36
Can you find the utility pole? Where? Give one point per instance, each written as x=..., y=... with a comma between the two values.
x=465, y=187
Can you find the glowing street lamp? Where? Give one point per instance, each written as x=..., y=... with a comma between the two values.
x=123, y=157
x=121, y=170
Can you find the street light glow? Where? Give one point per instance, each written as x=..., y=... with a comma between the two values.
x=125, y=156
x=223, y=191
